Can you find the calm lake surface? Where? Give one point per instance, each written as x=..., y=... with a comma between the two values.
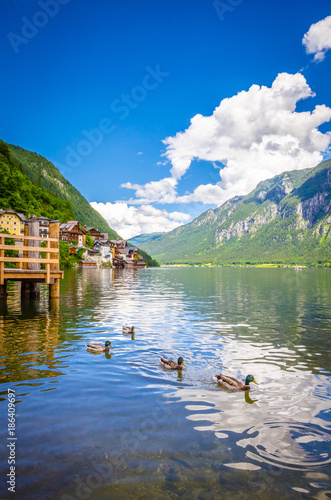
x=119, y=426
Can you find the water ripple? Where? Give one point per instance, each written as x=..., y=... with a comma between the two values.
x=288, y=445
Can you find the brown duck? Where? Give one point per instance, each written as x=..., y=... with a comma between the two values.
x=100, y=347
x=172, y=365
x=234, y=384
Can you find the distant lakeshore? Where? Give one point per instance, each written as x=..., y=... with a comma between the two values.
x=266, y=266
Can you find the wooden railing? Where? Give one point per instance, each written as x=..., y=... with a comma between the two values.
x=51, y=250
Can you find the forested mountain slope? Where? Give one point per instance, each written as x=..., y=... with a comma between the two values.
x=286, y=219
x=45, y=175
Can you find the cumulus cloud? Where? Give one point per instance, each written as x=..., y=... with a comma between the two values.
x=250, y=137
x=130, y=221
x=255, y=135
x=153, y=191
x=317, y=40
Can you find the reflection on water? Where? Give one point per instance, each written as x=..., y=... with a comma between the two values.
x=293, y=446
x=117, y=425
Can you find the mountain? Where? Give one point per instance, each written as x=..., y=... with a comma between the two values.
x=18, y=192
x=142, y=238
x=286, y=219
x=32, y=185
x=45, y=175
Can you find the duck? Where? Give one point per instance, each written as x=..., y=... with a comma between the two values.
x=100, y=347
x=172, y=365
x=128, y=329
x=234, y=384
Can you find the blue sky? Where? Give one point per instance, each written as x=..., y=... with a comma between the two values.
x=97, y=87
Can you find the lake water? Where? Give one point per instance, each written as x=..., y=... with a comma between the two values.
x=119, y=426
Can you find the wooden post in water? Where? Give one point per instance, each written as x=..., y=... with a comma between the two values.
x=3, y=283
x=54, y=232
x=25, y=286
x=28, y=288
x=25, y=243
x=3, y=291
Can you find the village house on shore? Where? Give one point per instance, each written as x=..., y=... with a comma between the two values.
x=14, y=222
x=71, y=231
x=115, y=253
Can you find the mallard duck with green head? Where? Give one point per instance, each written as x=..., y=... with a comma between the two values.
x=172, y=365
x=234, y=384
x=94, y=346
x=128, y=329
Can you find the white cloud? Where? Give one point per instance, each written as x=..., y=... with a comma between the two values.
x=154, y=191
x=130, y=221
x=318, y=39
x=205, y=193
x=256, y=134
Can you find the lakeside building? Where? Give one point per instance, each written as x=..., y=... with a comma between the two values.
x=119, y=253
x=96, y=234
x=23, y=221
x=12, y=221
x=105, y=251
x=71, y=231
x=43, y=225
x=103, y=247
x=118, y=243
x=125, y=256
x=88, y=264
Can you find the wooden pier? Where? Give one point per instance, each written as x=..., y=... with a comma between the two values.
x=27, y=269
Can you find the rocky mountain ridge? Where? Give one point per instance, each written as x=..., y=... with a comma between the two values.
x=284, y=219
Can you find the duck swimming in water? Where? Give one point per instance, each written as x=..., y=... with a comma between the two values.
x=172, y=365
x=99, y=347
x=128, y=329
x=234, y=384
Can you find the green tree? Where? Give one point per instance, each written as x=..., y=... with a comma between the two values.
x=89, y=241
x=4, y=149
x=66, y=260
x=18, y=192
